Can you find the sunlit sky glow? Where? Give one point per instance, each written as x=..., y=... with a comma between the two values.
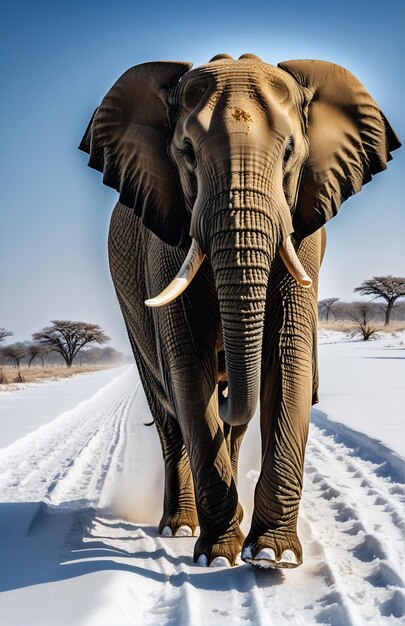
x=58, y=60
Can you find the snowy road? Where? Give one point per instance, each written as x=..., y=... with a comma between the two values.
x=67, y=559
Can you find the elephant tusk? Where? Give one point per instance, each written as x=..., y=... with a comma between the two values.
x=293, y=264
x=188, y=270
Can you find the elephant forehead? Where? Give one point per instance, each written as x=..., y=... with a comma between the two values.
x=247, y=78
x=236, y=96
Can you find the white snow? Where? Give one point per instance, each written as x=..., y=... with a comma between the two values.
x=81, y=493
x=37, y=404
x=362, y=385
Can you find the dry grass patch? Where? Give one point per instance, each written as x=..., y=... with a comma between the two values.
x=35, y=373
x=348, y=326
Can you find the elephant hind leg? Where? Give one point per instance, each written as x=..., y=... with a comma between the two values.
x=179, y=510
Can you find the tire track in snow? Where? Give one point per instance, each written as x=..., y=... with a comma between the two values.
x=99, y=461
x=76, y=442
x=351, y=516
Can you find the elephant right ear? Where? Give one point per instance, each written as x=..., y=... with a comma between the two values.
x=127, y=140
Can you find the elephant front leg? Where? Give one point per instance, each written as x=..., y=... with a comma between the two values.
x=286, y=399
x=214, y=485
x=219, y=511
x=179, y=517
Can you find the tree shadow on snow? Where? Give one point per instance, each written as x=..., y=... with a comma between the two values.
x=41, y=544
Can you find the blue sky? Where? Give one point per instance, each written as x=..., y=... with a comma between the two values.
x=59, y=58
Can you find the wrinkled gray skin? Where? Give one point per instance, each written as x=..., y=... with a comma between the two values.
x=239, y=154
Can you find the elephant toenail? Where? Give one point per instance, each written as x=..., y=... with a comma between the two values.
x=202, y=560
x=267, y=554
x=265, y=559
x=183, y=531
x=220, y=561
x=167, y=532
x=288, y=556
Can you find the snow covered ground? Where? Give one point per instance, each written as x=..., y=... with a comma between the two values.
x=362, y=385
x=81, y=489
x=38, y=403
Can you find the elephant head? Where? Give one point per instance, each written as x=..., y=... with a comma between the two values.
x=237, y=158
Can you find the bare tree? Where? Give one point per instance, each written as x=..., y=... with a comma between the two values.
x=390, y=288
x=15, y=352
x=326, y=307
x=68, y=338
x=5, y=333
x=363, y=318
x=36, y=351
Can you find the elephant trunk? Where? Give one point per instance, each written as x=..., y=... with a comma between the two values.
x=242, y=239
x=242, y=312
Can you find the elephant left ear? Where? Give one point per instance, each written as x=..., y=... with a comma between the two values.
x=350, y=140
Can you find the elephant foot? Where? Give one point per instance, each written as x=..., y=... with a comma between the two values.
x=182, y=524
x=223, y=551
x=278, y=548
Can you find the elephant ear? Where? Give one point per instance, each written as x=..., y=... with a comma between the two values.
x=127, y=140
x=350, y=140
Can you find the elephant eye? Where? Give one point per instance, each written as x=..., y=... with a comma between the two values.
x=188, y=154
x=289, y=150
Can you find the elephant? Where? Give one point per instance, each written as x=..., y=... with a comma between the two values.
x=226, y=175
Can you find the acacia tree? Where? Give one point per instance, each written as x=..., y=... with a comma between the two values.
x=15, y=352
x=326, y=307
x=68, y=338
x=36, y=350
x=390, y=288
